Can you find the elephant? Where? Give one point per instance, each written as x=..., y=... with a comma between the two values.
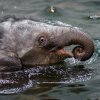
x=26, y=42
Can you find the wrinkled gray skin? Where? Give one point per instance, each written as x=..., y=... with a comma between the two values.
x=27, y=42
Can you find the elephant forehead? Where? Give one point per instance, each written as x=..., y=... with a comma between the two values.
x=35, y=27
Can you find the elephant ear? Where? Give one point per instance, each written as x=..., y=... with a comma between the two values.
x=10, y=64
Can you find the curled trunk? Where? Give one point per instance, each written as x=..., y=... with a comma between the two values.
x=74, y=36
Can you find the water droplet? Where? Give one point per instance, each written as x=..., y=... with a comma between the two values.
x=94, y=17
x=51, y=9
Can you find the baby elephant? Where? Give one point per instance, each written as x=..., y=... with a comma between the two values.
x=25, y=42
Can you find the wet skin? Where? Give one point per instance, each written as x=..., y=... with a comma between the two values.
x=28, y=42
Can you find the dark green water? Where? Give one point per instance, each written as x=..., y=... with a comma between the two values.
x=65, y=81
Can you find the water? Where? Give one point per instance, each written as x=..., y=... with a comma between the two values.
x=71, y=80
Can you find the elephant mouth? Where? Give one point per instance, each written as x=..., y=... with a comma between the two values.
x=77, y=53
x=64, y=53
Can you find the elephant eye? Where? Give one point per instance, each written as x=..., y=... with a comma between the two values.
x=42, y=40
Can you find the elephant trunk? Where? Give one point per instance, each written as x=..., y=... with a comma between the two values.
x=73, y=36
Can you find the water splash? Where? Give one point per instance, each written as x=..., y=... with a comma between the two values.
x=20, y=81
x=97, y=45
x=73, y=61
